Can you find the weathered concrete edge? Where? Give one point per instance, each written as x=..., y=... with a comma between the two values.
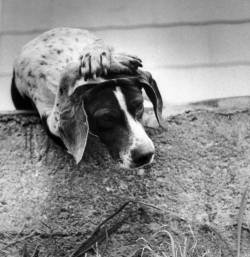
x=6, y=115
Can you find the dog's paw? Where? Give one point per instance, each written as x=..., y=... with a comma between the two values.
x=125, y=64
x=101, y=60
x=95, y=63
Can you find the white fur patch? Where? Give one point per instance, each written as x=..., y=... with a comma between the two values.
x=138, y=136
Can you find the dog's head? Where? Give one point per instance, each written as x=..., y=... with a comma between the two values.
x=114, y=110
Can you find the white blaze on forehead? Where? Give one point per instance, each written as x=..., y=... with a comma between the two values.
x=134, y=126
x=137, y=133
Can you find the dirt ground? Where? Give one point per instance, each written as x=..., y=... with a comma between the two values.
x=201, y=169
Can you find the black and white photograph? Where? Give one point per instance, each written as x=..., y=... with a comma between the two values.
x=124, y=128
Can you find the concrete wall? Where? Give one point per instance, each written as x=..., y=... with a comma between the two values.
x=195, y=49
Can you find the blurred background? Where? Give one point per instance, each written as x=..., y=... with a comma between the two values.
x=195, y=49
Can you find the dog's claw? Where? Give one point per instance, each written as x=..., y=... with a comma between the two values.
x=123, y=63
x=135, y=57
x=137, y=62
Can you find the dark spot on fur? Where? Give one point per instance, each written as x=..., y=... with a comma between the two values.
x=59, y=51
x=44, y=56
x=61, y=91
x=67, y=60
x=70, y=49
x=42, y=76
x=57, y=104
x=43, y=63
x=77, y=39
x=50, y=46
x=53, y=34
x=45, y=39
x=30, y=74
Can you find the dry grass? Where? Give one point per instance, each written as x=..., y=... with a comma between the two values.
x=171, y=243
x=166, y=243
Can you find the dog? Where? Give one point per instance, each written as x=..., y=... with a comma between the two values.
x=80, y=86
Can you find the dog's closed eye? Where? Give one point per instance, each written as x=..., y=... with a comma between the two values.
x=105, y=119
x=105, y=122
x=137, y=105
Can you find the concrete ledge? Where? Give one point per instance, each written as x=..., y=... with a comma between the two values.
x=201, y=168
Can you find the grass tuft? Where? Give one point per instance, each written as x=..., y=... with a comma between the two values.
x=166, y=243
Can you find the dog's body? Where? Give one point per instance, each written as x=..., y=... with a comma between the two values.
x=59, y=72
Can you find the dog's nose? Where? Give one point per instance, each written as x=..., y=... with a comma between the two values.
x=142, y=156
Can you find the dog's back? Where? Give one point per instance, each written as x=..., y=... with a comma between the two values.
x=38, y=68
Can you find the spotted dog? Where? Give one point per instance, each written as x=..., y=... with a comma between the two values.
x=79, y=85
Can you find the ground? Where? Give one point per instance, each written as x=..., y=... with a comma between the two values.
x=191, y=194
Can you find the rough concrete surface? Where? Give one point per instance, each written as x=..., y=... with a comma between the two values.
x=201, y=169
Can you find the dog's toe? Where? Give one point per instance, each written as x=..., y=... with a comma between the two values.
x=95, y=64
x=105, y=62
x=126, y=63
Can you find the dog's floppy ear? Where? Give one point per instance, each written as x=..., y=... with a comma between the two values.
x=73, y=125
x=153, y=93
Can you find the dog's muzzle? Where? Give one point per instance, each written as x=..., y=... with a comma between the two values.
x=140, y=153
x=141, y=156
